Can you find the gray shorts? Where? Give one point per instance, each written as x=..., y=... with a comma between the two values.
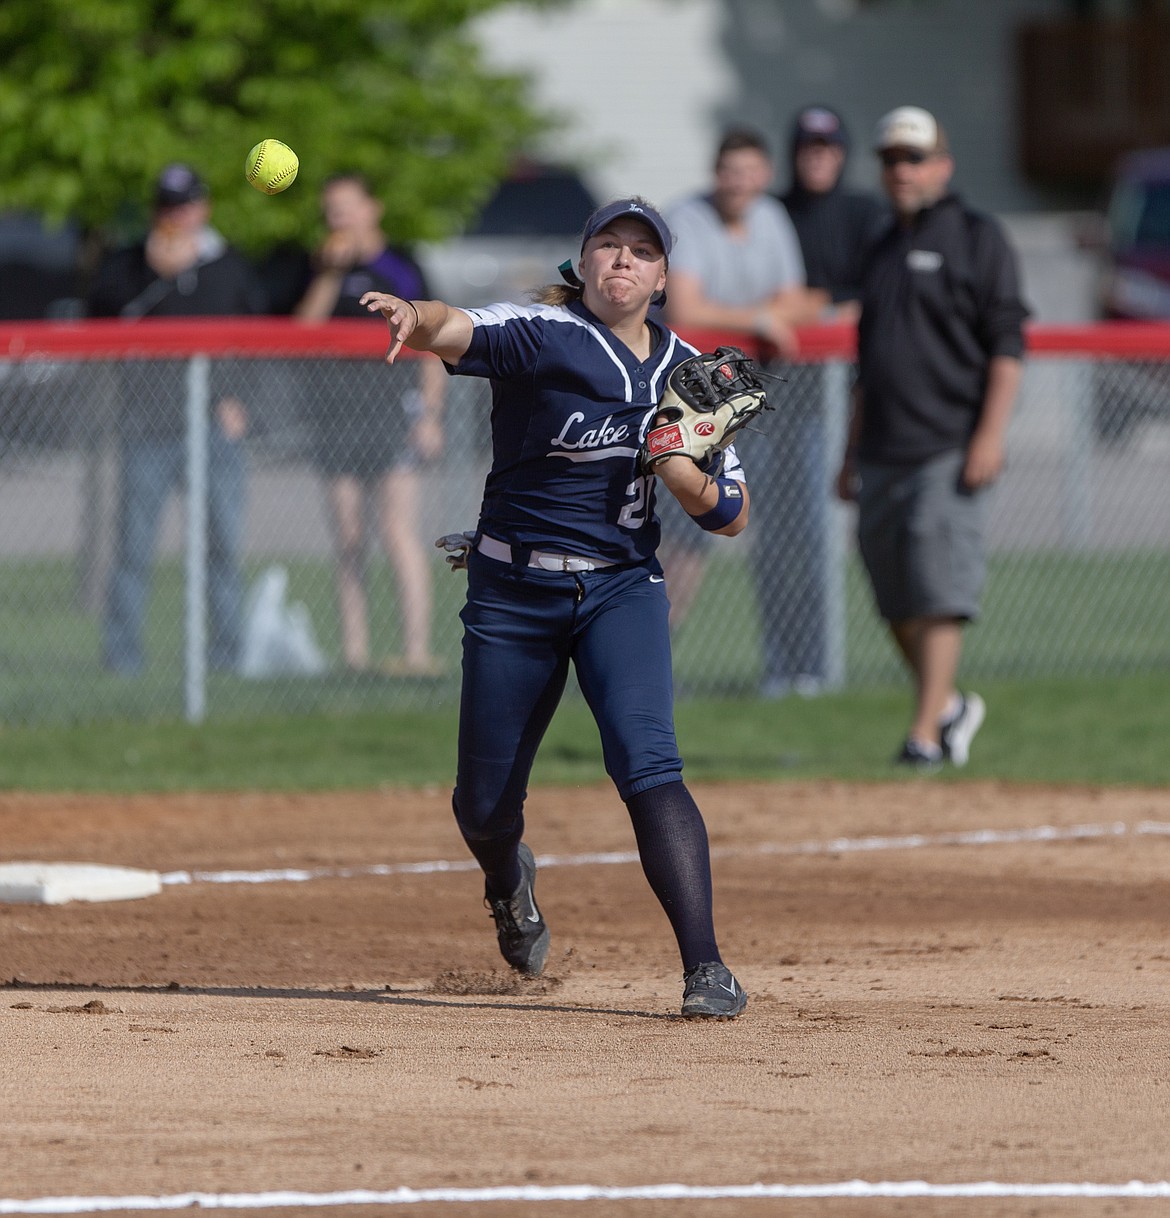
x=921, y=535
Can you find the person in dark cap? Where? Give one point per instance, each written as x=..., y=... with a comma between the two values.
x=181, y=268
x=562, y=572
x=834, y=226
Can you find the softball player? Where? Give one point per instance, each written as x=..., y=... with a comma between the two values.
x=562, y=569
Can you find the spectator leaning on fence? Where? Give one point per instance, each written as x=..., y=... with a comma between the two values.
x=737, y=267
x=940, y=343
x=366, y=443
x=791, y=560
x=183, y=268
x=835, y=225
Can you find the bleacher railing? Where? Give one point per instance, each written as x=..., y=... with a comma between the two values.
x=103, y=616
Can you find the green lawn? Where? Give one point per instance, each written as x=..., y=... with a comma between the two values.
x=1100, y=731
x=1073, y=657
x=1046, y=615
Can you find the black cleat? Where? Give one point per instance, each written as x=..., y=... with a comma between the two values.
x=520, y=928
x=711, y=992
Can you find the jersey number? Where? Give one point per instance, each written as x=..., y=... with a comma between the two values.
x=633, y=515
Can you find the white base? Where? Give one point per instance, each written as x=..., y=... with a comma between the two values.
x=57, y=883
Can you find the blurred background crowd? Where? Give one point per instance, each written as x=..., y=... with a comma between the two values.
x=459, y=158
x=1046, y=99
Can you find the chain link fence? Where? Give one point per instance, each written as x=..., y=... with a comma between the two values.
x=242, y=535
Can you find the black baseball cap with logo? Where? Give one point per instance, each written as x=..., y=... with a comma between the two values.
x=819, y=125
x=178, y=184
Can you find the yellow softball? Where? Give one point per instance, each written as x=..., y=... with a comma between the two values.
x=271, y=167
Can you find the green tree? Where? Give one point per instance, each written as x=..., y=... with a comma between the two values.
x=96, y=96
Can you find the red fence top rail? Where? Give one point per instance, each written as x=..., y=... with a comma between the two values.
x=167, y=338
x=257, y=337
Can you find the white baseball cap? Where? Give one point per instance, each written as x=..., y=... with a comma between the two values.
x=907, y=127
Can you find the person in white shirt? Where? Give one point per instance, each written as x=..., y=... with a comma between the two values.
x=737, y=267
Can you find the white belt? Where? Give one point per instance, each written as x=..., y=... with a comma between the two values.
x=502, y=552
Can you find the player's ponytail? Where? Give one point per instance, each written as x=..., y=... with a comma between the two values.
x=560, y=293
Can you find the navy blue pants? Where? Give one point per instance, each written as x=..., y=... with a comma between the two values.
x=522, y=628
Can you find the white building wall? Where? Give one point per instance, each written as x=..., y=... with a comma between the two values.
x=645, y=86
x=637, y=84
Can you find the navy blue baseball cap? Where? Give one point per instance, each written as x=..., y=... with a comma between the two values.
x=636, y=209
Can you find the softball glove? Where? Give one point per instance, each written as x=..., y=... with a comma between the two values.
x=708, y=399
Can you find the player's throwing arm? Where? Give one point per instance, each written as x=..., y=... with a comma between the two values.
x=422, y=325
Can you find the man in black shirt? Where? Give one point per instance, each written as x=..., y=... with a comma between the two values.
x=182, y=268
x=940, y=344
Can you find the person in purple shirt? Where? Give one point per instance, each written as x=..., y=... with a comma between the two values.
x=562, y=569
x=364, y=451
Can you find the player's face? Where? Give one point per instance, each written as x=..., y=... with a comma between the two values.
x=623, y=265
x=914, y=180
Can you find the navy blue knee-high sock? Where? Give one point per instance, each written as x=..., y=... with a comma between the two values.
x=672, y=843
x=497, y=857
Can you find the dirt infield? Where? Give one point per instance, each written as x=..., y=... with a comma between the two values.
x=981, y=1002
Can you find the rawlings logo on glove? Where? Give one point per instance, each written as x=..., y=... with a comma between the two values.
x=708, y=399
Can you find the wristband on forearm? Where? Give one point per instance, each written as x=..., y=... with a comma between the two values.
x=729, y=506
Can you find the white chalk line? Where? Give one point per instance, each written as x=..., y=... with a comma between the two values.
x=579, y=1192
x=840, y=845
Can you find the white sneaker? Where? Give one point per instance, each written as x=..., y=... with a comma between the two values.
x=808, y=687
x=772, y=689
x=957, y=735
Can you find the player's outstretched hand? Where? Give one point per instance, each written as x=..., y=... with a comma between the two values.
x=401, y=316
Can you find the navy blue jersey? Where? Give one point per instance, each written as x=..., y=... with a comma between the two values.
x=570, y=407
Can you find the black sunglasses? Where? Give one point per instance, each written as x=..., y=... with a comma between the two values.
x=902, y=156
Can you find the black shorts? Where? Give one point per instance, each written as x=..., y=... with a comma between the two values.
x=361, y=421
